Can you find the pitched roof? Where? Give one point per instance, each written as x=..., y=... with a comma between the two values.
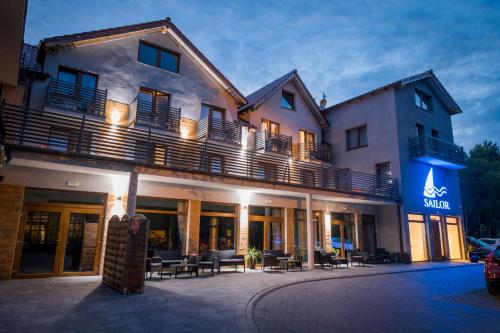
x=160, y=25
x=258, y=97
x=448, y=101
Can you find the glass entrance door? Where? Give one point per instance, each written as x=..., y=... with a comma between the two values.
x=418, y=243
x=342, y=231
x=40, y=242
x=81, y=242
x=59, y=240
x=437, y=237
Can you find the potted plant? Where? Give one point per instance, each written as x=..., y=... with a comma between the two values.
x=297, y=253
x=336, y=252
x=471, y=252
x=253, y=256
x=405, y=258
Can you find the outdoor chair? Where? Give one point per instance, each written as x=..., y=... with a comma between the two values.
x=357, y=256
x=269, y=260
x=156, y=266
x=229, y=258
x=323, y=258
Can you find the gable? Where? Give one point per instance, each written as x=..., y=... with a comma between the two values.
x=165, y=27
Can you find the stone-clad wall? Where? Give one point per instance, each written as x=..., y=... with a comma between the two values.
x=11, y=203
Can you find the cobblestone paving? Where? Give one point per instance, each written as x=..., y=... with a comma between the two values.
x=449, y=300
x=206, y=304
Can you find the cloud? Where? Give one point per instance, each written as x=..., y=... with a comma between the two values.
x=344, y=48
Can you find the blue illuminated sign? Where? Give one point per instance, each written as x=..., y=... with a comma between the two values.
x=433, y=195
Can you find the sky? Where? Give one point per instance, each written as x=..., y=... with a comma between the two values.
x=342, y=48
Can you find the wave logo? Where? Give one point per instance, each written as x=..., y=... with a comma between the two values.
x=431, y=191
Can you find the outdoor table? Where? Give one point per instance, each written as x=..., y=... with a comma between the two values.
x=167, y=263
x=206, y=264
x=183, y=268
x=293, y=263
x=339, y=261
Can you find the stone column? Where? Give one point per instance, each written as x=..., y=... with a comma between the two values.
x=116, y=204
x=310, y=231
x=193, y=227
x=357, y=225
x=11, y=204
x=214, y=233
x=327, y=227
x=243, y=230
x=132, y=193
x=289, y=230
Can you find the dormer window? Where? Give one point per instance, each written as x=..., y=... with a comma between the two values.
x=423, y=101
x=159, y=57
x=287, y=100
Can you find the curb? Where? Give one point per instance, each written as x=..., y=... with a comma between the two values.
x=252, y=302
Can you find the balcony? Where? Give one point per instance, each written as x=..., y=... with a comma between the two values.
x=156, y=116
x=87, y=138
x=271, y=142
x=216, y=129
x=437, y=152
x=72, y=97
x=315, y=151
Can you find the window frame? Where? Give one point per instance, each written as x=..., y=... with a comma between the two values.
x=156, y=93
x=269, y=123
x=283, y=93
x=358, y=137
x=79, y=73
x=423, y=97
x=159, y=49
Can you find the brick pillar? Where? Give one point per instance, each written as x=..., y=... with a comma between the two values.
x=193, y=233
x=289, y=227
x=11, y=204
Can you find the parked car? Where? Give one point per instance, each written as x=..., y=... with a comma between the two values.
x=480, y=247
x=492, y=271
x=337, y=244
x=491, y=241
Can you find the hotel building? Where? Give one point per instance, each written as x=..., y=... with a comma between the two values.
x=137, y=120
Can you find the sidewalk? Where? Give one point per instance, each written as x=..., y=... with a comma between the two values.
x=206, y=304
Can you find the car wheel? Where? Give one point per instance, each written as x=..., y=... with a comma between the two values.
x=491, y=289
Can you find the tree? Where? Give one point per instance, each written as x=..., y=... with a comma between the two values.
x=480, y=182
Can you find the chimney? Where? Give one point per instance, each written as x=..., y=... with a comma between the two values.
x=322, y=103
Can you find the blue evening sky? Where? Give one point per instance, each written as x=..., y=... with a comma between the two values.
x=344, y=48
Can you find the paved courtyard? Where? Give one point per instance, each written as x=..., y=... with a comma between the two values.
x=433, y=297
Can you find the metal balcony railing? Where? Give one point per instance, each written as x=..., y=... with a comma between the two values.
x=272, y=142
x=72, y=97
x=217, y=129
x=85, y=137
x=315, y=151
x=422, y=146
x=156, y=116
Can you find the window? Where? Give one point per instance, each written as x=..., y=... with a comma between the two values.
x=420, y=130
x=383, y=169
x=270, y=127
x=158, y=57
x=435, y=133
x=383, y=172
x=356, y=137
x=150, y=103
x=423, y=101
x=77, y=83
x=267, y=172
x=66, y=140
x=308, y=177
x=216, y=163
x=217, y=227
x=215, y=115
x=287, y=100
